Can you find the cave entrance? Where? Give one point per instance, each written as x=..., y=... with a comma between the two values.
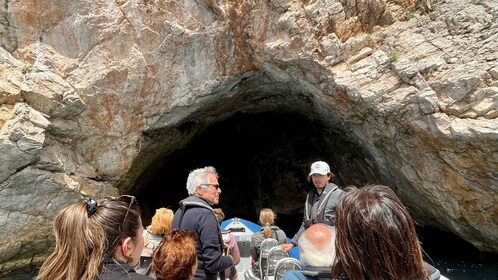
x=263, y=160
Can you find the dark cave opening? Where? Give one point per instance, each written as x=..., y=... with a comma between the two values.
x=263, y=161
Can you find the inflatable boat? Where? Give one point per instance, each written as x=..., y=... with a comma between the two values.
x=242, y=231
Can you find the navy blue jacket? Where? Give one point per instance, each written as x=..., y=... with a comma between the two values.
x=199, y=218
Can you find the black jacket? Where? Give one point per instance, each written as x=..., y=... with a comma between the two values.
x=118, y=271
x=199, y=218
x=317, y=272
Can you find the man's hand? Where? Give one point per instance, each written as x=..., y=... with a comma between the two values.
x=287, y=246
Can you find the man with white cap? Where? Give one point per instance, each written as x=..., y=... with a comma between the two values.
x=320, y=202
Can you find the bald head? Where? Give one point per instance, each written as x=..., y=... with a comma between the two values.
x=317, y=245
x=320, y=235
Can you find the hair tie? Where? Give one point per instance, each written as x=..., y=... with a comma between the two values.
x=91, y=206
x=267, y=225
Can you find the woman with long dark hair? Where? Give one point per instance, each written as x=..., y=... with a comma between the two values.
x=376, y=238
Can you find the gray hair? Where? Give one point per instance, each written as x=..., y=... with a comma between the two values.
x=198, y=177
x=318, y=254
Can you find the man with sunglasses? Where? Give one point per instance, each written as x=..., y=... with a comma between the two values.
x=196, y=214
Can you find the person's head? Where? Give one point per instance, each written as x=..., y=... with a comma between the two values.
x=376, y=237
x=317, y=245
x=267, y=218
x=89, y=233
x=161, y=221
x=349, y=188
x=320, y=174
x=220, y=216
x=175, y=257
x=203, y=182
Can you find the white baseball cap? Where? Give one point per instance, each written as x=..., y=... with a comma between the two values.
x=320, y=167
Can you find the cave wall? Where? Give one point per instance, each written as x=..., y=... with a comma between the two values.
x=97, y=96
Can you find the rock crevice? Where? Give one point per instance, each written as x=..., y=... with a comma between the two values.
x=106, y=97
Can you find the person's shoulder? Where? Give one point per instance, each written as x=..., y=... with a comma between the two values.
x=201, y=209
x=333, y=186
x=276, y=228
x=198, y=209
x=257, y=235
x=114, y=271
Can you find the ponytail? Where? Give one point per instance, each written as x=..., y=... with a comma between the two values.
x=267, y=218
x=78, y=249
x=267, y=231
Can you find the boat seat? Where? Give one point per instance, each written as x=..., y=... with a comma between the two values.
x=266, y=245
x=274, y=255
x=249, y=275
x=284, y=265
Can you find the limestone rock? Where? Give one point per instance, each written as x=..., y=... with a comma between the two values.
x=96, y=95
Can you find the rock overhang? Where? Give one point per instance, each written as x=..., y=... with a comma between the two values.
x=417, y=107
x=290, y=127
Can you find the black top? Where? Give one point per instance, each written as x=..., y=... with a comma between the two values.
x=116, y=270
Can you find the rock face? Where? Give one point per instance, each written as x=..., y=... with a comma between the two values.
x=95, y=93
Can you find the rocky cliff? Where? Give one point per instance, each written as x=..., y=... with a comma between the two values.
x=94, y=94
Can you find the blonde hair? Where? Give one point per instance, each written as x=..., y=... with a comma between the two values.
x=85, y=240
x=267, y=218
x=73, y=257
x=220, y=216
x=161, y=221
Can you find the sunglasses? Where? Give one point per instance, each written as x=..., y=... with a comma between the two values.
x=130, y=200
x=215, y=186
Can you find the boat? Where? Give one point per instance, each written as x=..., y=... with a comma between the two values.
x=242, y=231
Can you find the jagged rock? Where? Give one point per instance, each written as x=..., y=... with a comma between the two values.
x=97, y=96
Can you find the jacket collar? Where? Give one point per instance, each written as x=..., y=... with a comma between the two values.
x=194, y=200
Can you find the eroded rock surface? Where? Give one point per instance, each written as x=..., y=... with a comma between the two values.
x=95, y=93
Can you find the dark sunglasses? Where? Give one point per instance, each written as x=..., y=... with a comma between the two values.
x=215, y=186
